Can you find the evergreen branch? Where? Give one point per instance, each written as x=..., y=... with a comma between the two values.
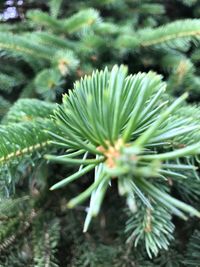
x=81, y=19
x=19, y=45
x=21, y=139
x=176, y=33
x=192, y=114
x=78, y=21
x=44, y=19
x=28, y=110
x=151, y=8
x=171, y=257
x=46, y=38
x=47, y=83
x=167, y=200
x=172, y=31
x=105, y=115
x=23, y=227
x=9, y=207
x=154, y=227
x=7, y=82
x=46, y=237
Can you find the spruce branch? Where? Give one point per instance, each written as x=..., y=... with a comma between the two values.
x=44, y=19
x=9, y=240
x=23, y=138
x=31, y=109
x=153, y=226
x=45, y=241
x=174, y=34
x=82, y=20
x=47, y=38
x=20, y=46
x=105, y=116
x=20, y=139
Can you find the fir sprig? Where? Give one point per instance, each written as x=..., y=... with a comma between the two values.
x=116, y=119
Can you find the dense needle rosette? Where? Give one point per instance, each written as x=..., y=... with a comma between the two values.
x=120, y=126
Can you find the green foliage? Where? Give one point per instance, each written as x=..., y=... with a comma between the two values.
x=28, y=110
x=23, y=138
x=55, y=6
x=75, y=41
x=47, y=82
x=4, y=106
x=176, y=34
x=8, y=82
x=45, y=241
x=170, y=258
x=75, y=23
x=113, y=132
x=39, y=246
x=192, y=255
x=20, y=46
x=119, y=129
x=153, y=226
x=28, y=143
x=28, y=137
